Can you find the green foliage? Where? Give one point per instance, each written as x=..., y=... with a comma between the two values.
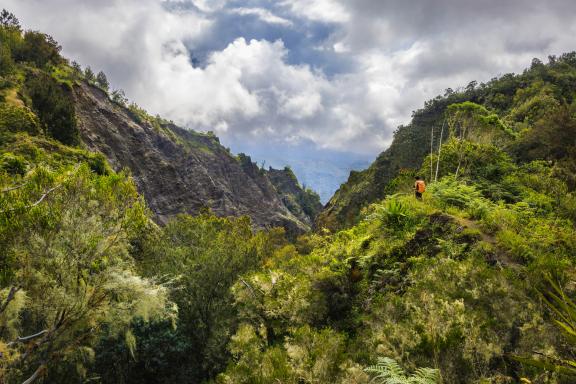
x=394, y=214
x=564, y=311
x=18, y=119
x=8, y=20
x=6, y=62
x=387, y=371
x=449, y=192
x=202, y=258
x=66, y=239
x=12, y=164
x=54, y=106
x=40, y=49
x=89, y=75
x=102, y=81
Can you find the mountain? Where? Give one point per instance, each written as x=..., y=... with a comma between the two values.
x=473, y=283
x=178, y=170
x=518, y=99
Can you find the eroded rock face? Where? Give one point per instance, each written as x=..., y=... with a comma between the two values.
x=176, y=170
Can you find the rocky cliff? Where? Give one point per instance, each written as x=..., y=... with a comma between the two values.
x=179, y=171
x=302, y=202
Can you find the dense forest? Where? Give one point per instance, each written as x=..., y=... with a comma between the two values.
x=473, y=284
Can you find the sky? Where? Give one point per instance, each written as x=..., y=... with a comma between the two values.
x=300, y=81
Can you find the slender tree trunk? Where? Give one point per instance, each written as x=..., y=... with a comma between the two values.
x=431, y=153
x=439, y=149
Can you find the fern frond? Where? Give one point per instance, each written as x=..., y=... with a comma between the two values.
x=388, y=371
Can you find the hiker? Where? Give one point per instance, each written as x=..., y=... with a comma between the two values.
x=419, y=187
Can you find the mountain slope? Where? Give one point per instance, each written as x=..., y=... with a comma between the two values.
x=521, y=100
x=178, y=171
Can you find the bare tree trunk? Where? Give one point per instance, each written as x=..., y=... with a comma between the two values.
x=439, y=149
x=431, y=153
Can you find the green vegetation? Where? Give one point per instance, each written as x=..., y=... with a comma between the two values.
x=473, y=284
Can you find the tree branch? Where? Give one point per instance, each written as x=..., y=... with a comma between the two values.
x=9, y=298
x=36, y=374
x=38, y=201
x=13, y=188
x=27, y=338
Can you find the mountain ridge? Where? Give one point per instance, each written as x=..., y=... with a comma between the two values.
x=177, y=170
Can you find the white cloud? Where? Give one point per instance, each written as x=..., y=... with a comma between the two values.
x=263, y=14
x=318, y=10
x=401, y=54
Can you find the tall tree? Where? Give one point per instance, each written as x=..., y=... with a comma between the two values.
x=102, y=81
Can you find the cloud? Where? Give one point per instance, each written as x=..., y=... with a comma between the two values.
x=263, y=14
x=340, y=73
x=330, y=11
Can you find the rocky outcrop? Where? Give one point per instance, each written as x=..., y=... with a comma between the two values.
x=176, y=170
x=302, y=202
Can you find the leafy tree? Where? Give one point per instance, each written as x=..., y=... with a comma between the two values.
x=102, y=81
x=6, y=62
x=40, y=49
x=9, y=21
x=202, y=257
x=54, y=105
x=89, y=74
x=119, y=97
x=67, y=274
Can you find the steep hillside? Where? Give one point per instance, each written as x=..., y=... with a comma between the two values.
x=515, y=98
x=302, y=202
x=178, y=171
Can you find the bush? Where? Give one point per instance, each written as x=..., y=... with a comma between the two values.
x=6, y=62
x=449, y=192
x=54, y=106
x=18, y=119
x=40, y=49
x=12, y=164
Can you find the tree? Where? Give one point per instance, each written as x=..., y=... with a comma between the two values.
x=53, y=104
x=205, y=255
x=40, y=49
x=8, y=20
x=6, y=62
x=67, y=276
x=119, y=97
x=89, y=74
x=102, y=81
x=76, y=69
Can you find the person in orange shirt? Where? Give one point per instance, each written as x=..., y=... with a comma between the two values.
x=419, y=187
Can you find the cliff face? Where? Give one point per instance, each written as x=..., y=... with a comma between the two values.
x=303, y=203
x=179, y=171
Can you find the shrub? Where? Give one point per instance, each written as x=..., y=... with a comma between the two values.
x=449, y=192
x=12, y=164
x=18, y=119
x=40, y=49
x=54, y=106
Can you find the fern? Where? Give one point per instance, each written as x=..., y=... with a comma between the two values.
x=565, y=310
x=388, y=371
